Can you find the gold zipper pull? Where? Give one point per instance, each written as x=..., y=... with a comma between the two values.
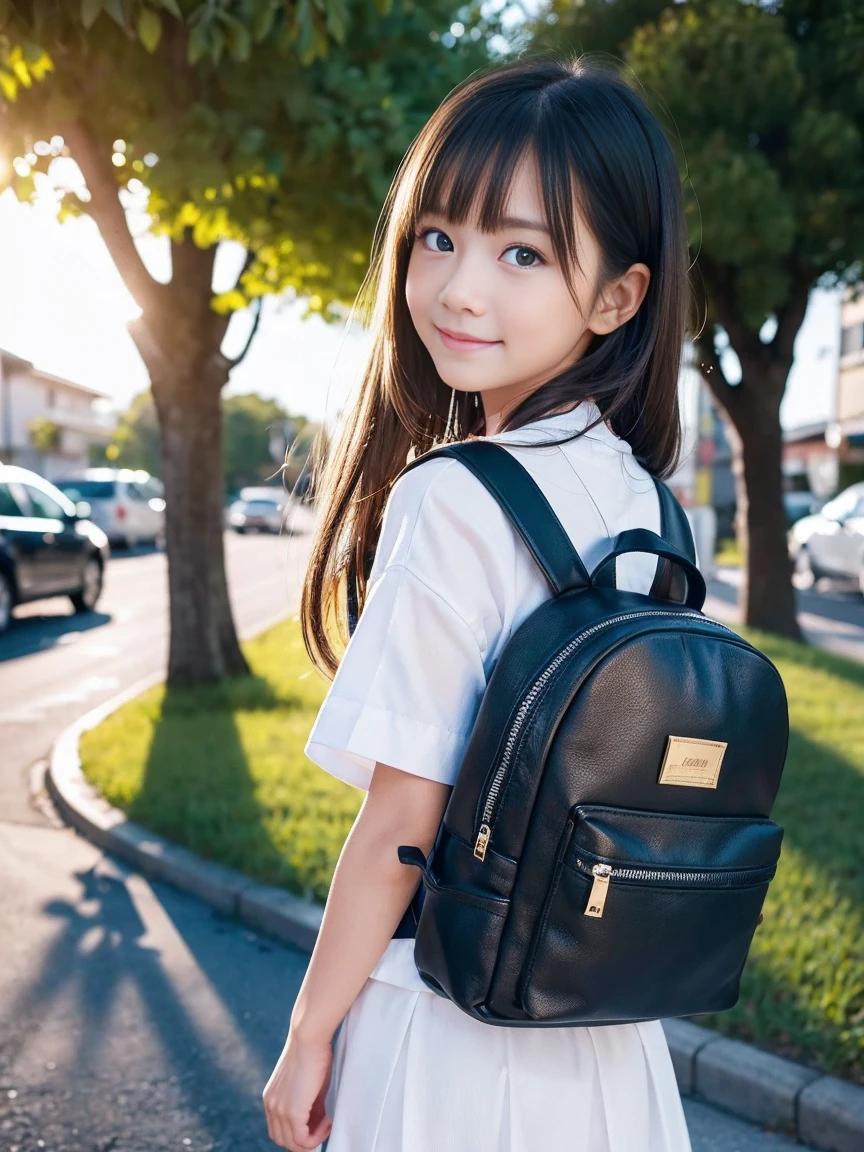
x=597, y=899
x=482, y=841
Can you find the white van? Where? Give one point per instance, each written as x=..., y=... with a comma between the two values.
x=128, y=504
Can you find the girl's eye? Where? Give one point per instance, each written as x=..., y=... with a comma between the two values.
x=525, y=257
x=438, y=243
x=434, y=240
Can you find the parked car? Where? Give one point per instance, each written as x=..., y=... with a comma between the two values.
x=128, y=504
x=48, y=545
x=798, y=503
x=257, y=512
x=831, y=543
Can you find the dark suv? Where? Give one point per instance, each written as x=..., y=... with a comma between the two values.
x=48, y=546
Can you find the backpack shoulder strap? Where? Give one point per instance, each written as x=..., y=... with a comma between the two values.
x=669, y=581
x=524, y=503
x=674, y=525
x=534, y=519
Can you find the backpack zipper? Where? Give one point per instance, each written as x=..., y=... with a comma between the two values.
x=603, y=873
x=485, y=830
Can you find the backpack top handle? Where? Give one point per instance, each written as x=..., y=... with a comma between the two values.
x=641, y=540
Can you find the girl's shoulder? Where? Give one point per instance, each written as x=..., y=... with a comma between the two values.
x=443, y=528
x=443, y=501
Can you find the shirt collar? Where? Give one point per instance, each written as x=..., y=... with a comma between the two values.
x=560, y=424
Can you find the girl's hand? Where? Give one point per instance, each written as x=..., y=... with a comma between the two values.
x=294, y=1095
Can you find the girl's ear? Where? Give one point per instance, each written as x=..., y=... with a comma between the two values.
x=620, y=300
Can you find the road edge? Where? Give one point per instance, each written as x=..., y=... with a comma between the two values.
x=783, y=1095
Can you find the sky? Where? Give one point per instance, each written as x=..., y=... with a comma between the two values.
x=64, y=306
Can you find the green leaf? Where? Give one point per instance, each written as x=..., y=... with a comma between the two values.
x=263, y=22
x=116, y=11
x=171, y=6
x=237, y=38
x=8, y=85
x=383, y=7
x=226, y=302
x=149, y=28
x=199, y=42
x=90, y=10
x=337, y=20
x=306, y=26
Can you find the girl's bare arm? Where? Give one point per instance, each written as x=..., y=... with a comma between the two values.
x=368, y=896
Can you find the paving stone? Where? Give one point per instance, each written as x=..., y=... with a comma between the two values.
x=162, y=860
x=751, y=1083
x=831, y=1115
x=281, y=913
x=685, y=1039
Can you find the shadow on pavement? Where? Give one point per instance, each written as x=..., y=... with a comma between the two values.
x=30, y=634
x=153, y=1045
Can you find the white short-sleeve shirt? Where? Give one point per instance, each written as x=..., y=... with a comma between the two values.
x=450, y=582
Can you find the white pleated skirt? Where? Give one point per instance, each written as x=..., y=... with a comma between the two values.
x=413, y=1073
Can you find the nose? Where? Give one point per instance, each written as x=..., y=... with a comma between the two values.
x=463, y=289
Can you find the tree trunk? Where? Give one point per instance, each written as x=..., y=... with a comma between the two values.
x=767, y=594
x=179, y=336
x=204, y=645
x=753, y=409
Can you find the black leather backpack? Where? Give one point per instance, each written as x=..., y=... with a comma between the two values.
x=606, y=849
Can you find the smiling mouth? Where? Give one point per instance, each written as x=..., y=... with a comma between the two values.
x=462, y=341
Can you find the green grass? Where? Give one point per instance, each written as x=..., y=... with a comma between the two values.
x=222, y=771
x=221, y=768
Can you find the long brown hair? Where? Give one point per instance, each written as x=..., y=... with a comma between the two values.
x=598, y=149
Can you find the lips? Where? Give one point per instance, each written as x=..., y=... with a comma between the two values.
x=464, y=340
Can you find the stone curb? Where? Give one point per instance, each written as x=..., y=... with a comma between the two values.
x=823, y=1111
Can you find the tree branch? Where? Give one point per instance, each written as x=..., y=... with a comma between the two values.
x=790, y=316
x=192, y=268
x=259, y=300
x=106, y=210
x=709, y=361
x=709, y=364
x=744, y=341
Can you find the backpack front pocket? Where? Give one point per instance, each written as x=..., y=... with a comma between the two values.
x=648, y=915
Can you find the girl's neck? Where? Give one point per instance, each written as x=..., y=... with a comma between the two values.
x=493, y=420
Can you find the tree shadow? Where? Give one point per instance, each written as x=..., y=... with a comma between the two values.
x=197, y=789
x=211, y=1071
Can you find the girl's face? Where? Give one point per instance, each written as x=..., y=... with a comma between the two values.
x=494, y=309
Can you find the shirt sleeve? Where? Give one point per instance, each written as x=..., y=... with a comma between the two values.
x=410, y=682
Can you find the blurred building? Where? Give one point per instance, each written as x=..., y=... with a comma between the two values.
x=847, y=433
x=47, y=423
x=810, y=461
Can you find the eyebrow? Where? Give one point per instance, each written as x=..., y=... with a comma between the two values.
x=504, y=222
x=522, y=222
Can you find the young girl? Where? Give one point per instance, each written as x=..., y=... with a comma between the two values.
x=529, y=282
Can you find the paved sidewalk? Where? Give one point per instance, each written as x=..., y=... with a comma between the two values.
x=135, y=1018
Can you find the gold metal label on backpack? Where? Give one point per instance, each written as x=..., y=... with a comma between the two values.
x=692, y=763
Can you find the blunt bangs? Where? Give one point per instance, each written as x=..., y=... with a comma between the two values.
x=470, y=162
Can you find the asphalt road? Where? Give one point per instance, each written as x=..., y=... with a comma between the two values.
x=134, y=1017
x=55, y=665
